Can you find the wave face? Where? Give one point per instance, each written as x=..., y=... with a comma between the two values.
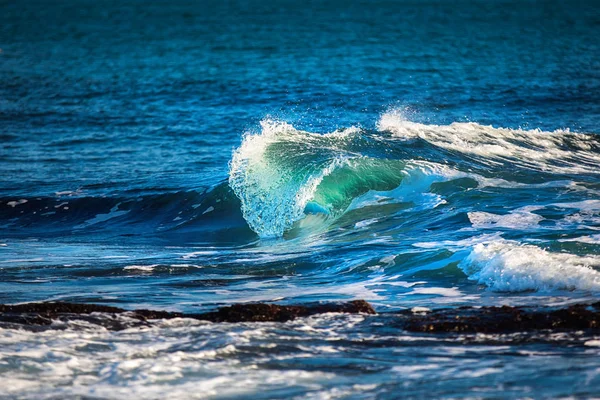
x=207, y=213
x=281, y=174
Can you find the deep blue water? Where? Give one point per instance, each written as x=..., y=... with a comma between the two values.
x=184, y=155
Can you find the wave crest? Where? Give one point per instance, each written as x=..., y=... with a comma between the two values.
x=275, y=173
x=282, y=174
x=560, y=151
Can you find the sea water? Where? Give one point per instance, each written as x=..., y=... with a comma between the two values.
x=186, y=155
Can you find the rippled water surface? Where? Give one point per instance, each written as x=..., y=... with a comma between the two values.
x=186, y=155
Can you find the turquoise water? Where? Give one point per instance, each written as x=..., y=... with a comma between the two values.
x=188, y=155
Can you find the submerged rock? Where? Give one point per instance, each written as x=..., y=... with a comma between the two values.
x=503, y=319
x=271, y=312
x=48, y=313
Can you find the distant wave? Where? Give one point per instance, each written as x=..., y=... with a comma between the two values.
x=560, y=151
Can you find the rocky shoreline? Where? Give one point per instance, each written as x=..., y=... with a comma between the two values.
x=503, y=319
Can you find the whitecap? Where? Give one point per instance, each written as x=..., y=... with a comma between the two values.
x=560, y=151
x=512, y=267
x=520, y=218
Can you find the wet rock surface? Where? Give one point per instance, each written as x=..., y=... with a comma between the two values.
x=45, y=314
x=503, y=319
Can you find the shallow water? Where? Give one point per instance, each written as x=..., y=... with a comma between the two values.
x=184, y=156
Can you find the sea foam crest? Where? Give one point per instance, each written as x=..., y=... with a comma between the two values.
x=521, y=218
x=276, y=171
x=560, y=151
x=508, y=266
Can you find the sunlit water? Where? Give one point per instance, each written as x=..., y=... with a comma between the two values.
x=185, y=156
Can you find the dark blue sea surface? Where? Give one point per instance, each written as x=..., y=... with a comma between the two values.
x=184, y=155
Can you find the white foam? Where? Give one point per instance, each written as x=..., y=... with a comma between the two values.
x=590, y=239
x=520, y=218
x=560, y=151
x=15, y=203
x=365, y=223
x=440, y=291
x=586, y=217
x=585, y=205
x=184, y=358
x=512, y=267
x=113, y=213
x=145, y=268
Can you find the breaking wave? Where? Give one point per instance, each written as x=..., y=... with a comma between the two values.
x=560, y=151
x=508, y=266
x=281, y=174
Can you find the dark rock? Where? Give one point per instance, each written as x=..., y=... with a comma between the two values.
x=47, y=313
x=58, y=307
x=274, y=313
x=502, y=319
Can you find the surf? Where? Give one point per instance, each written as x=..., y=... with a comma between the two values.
x=282, y=174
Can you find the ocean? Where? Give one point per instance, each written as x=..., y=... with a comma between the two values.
x=187, y=155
